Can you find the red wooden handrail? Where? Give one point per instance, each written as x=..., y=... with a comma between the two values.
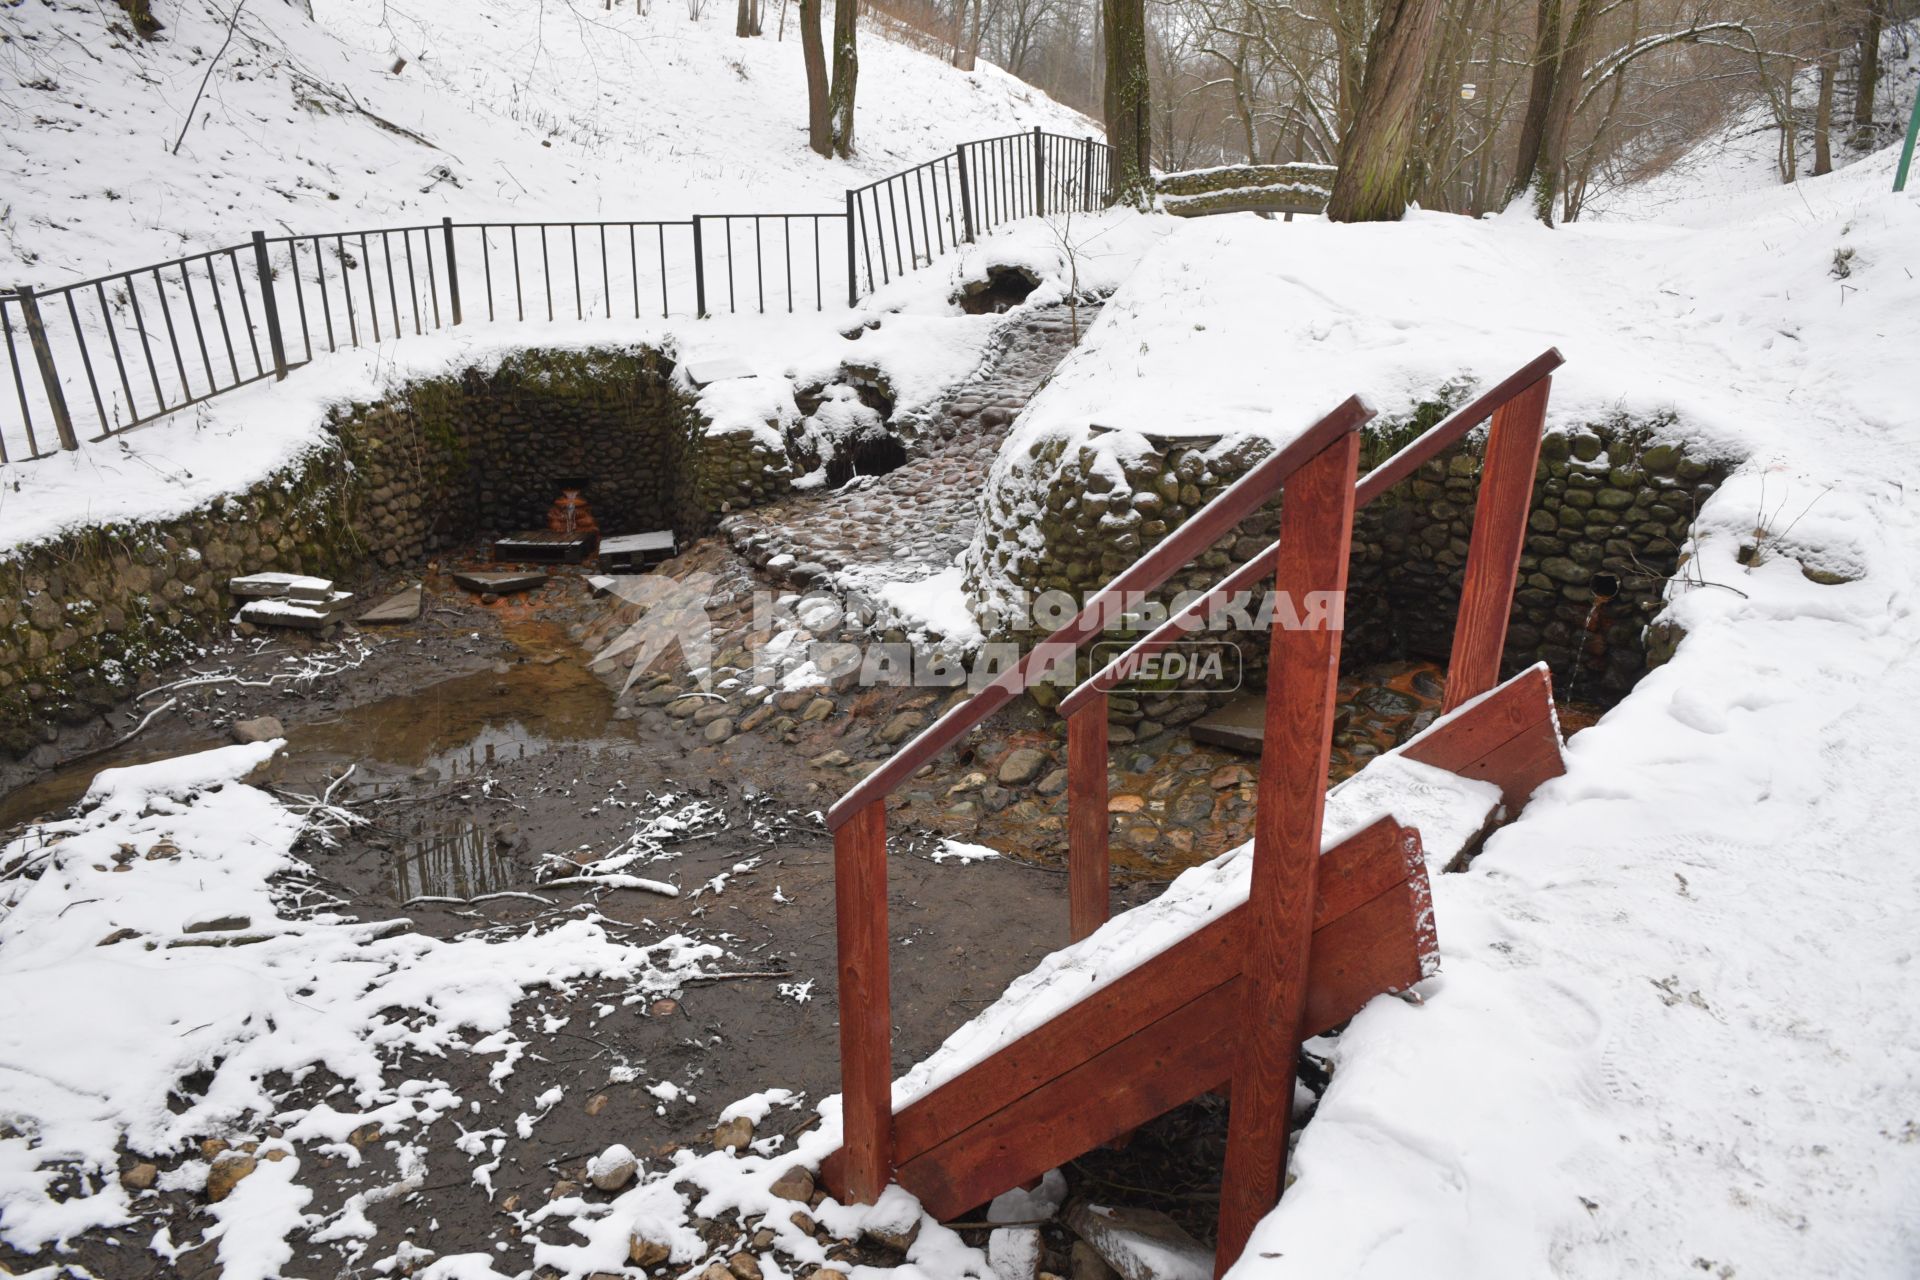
x=859, y=820
x=1370, y=486
x=1229, y=508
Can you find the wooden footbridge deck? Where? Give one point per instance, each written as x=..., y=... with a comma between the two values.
x=1326, y=921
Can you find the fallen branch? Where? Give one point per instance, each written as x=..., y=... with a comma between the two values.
x=484, y=897
x=730, y=977
x=186, y=124
x=616, y=882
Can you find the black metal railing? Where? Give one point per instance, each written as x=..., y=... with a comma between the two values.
x=101, y=356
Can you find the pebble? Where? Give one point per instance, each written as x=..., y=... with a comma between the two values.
x=613, y=1168
x=1022, y=765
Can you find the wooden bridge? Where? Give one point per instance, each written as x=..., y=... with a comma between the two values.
x=1327, y=919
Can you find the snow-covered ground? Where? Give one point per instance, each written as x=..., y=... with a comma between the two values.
x=1675, y=1028
x=504, y=111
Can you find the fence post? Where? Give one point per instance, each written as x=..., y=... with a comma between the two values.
x=853, y=273
x=699, y=273
x=1039, y=173
x=269, y=305
x=49, y=376
x=1086, y=174
x=966, y=195
x=453, y=272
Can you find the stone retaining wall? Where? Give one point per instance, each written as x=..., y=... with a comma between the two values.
x=438, y=463
x=1613, y=500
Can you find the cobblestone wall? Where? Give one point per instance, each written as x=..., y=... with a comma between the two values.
x=1613, y=503
x=438, y=463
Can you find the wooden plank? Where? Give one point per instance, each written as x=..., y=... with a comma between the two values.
x=1316, y=529
x=1114, y=1085
x=1353, y=874
x=1089, y=869
x=866, y=1015
x=1149, y=1073
x=1477, y=743
x=1499, y=535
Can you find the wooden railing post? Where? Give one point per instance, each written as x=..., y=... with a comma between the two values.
x=1316, y=530
x=49, y=374
x=1088, y=867
x=866, y=1013
x=1499, y=535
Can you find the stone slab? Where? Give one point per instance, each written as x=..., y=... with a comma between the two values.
x=295, y=614
x=716, y=369
x=1241, y=725
x=499, y=584
x=402, y=606
x=634, y=550
x=267, y=586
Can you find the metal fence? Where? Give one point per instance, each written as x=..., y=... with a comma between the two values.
x=98, y=357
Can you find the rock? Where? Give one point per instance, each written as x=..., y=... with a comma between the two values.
x=682, y=708
x=744, y=1266
x=258, y=729
x=1126, y=802
x=892, y=1237
x=499, y=584
x=1054, y=783
x=401, y=606
x=227, y=1173
x=217, y=924
x=1014, y=1253
x=1229, y=775
x=140, y=1177
x=795, y=1184
x=643, y=1252
x=564, y=1188
x=613, y=1168
x=1239, y=726
x=1141, y=1244
x=818, y=709
x=719, y=731
x=732, y=1134
x=1022, y=765
x=899, y=727
x=596, y=1104
x=830, y=760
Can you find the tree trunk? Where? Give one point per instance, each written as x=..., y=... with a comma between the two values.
x=819, y=124
x=1373, y=182
x=1550, y=168
x=1866, y=81
x=1243, y=101
x=746, y=20
x=1128, y=101
x=846, y=75
x=1533, y=124
x=960, y=35
x=1823, y=119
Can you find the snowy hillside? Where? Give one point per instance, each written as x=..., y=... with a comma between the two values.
x=503, y=110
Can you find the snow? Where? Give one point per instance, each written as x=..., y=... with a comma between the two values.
x=522, y=113
x=113, y=1003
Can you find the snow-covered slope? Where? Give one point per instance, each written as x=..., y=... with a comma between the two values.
x=503, y=110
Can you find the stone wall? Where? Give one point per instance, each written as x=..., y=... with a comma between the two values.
x=83, y=617
x=1613, y=504
x=438, y=463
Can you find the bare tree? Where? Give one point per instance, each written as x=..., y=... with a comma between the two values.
x=1129, y=100
x=846, y=75
x=819, y=120
x=1374, y=184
